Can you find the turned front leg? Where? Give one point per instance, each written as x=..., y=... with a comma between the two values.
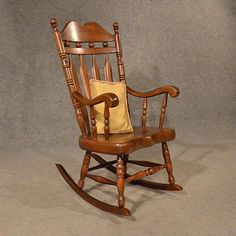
x=168, y=163
x=84, y=169
x=120, y=172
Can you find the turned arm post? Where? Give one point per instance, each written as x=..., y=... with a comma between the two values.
x=93, y=122
x=165, y=90
x=144, y=113
x=163, y=110
x=162, y=114
x=106, y=121
x=109, y=100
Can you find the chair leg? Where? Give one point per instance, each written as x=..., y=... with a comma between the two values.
x=169, y=168
x=125, y=159
x=120, y=172
x=84, y=169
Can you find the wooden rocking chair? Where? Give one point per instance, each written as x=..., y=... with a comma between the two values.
x=90, y=39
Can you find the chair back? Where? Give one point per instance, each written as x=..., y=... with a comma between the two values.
x=79, y=47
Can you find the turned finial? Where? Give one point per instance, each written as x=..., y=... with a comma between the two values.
x=53, y=23
x=116, y=27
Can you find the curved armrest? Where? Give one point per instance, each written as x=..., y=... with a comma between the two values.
x=171, y=90
x=110, y=99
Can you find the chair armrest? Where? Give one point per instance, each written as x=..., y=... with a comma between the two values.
x=171, y=90
x=110, y=99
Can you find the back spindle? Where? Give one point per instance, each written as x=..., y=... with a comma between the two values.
x=107, y=65
x=93, y=122
x=81, y=111
x=107, y=69
x=95, y=70
x=84, y=76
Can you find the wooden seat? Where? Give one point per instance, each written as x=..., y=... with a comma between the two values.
x=119, y=144
x=79, y=46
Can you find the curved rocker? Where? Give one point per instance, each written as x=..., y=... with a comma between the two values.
x=154, y=185
x=93, y=201
x=144, y=183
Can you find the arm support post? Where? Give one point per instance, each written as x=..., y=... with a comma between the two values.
x=110, y=100
x=166, y=90
x=163, y=110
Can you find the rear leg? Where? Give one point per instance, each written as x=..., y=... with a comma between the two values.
x=169, y=167
x=84, y=169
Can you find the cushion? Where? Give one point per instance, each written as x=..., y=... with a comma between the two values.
x=119, y=115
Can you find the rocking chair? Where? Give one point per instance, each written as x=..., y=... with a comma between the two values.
x=91, y=40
